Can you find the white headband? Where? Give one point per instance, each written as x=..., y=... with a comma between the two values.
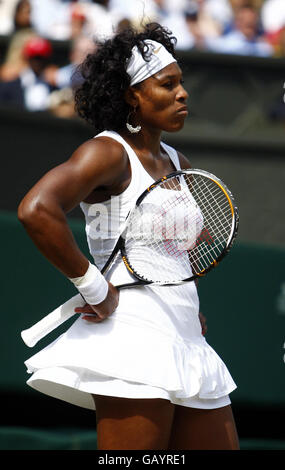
x=158, y=58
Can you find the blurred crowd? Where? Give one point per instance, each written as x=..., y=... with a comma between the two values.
x=29, y=78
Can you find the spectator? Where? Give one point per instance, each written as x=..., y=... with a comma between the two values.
x=30, y=90
x=221, y=11
x=273, y=21
x=160, y=10
x=280, y=49
x=66, y=79
x=68, y=76
x=77, y=21
x=273, y=15
x=140, y=12
x=101, y=20
x=193, y=25
x=22, y=16
x=244, y=39
x=277, y=41
x=175, y=6
x=14, y=61
x=224, y=11
x=51, y=18
x=58, y=20
x=7, y=9
x=153, y=11
x=235, y=6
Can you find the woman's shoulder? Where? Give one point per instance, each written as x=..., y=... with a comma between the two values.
x=102, y=144
x=102, y=149
x=101, y=158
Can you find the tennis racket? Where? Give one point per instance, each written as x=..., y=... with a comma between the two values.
x=179, y=229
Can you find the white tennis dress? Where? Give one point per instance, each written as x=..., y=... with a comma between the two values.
x=150, y=347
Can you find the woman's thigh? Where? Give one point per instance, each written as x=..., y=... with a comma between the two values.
x=133, y=424
x=200, y=429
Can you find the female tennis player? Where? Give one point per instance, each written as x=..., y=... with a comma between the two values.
x=139, y=357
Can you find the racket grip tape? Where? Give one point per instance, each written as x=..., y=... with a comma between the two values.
x=51, y=321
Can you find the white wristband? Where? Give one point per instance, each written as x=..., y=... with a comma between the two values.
x=92, y=286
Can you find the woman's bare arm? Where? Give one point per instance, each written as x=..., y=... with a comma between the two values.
x=43, y=210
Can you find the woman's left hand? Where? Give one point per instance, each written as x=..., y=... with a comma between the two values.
x=203, y=322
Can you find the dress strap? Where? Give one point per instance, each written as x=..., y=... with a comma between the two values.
x=173, y=155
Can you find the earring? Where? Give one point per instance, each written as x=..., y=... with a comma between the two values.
x=131, y=129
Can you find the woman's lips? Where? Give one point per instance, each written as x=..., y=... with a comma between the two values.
x=183, y=110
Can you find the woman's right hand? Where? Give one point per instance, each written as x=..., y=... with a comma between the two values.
x=98, y=313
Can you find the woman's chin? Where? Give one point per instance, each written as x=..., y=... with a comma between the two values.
x=175, y=127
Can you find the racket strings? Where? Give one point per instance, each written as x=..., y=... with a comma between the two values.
x=217, y=222
x=181, y=227
x=220, y=206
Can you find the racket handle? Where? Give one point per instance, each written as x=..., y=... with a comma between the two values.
x=51, y=321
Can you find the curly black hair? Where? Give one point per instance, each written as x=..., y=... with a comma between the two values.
x=100, y=99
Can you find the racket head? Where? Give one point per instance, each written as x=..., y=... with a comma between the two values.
x=181, y=227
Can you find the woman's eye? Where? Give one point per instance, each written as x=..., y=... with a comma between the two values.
x=171, y=84
x=167, y=85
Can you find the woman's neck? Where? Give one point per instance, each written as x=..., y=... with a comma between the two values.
x=143, y=141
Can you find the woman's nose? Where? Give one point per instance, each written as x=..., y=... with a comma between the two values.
x=182, y=94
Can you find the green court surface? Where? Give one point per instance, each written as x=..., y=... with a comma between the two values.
x=12, y=438
x=20, y=438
